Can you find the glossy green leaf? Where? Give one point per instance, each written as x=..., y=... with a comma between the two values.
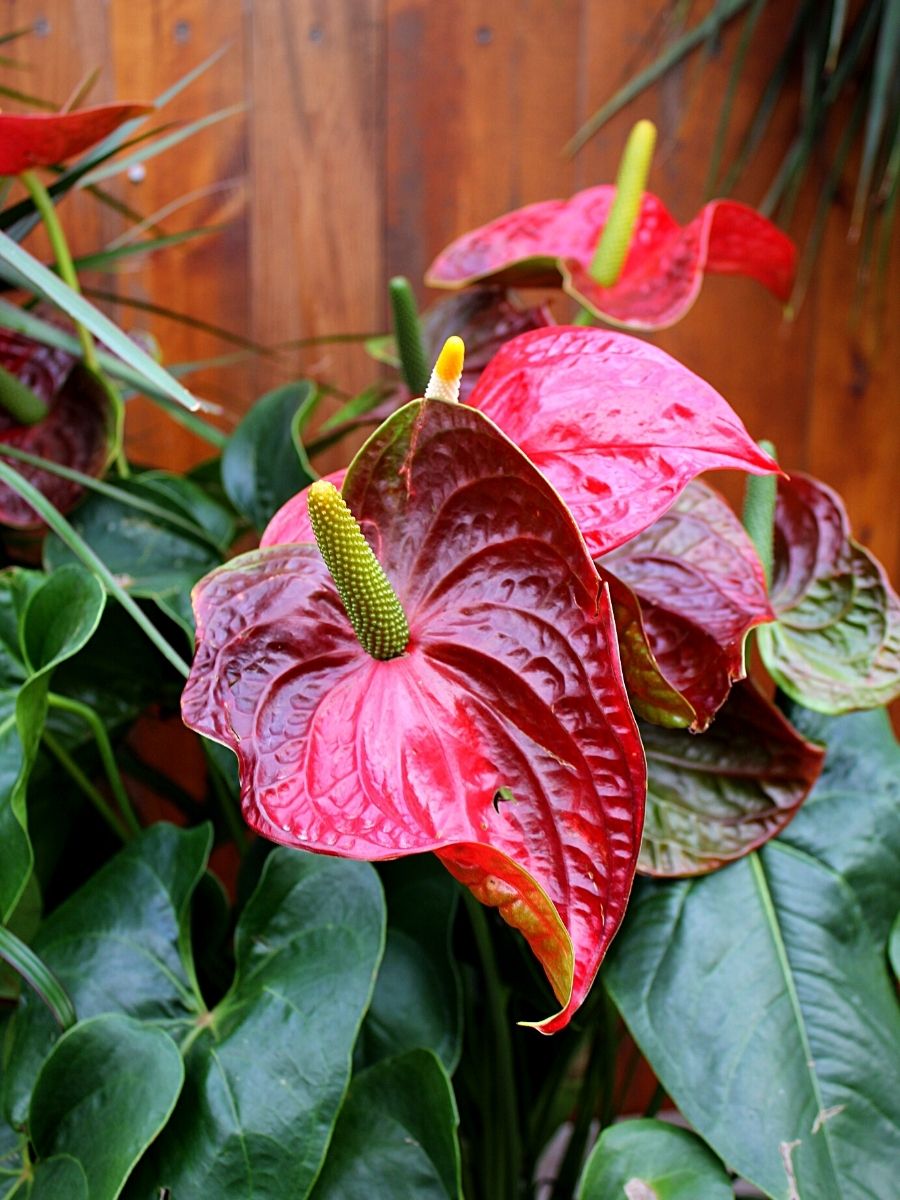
x=650, y=1160
x=417, y=1002
x=103, y=1094
x=59, y=1176
x=38, y=976
x=761, y=996
x=44, y=282
x=55, y=618
x=121, y=944
x=264, y=463
x=714, y=796
x=836, y=643
x=396, y=1135
x=267, y=1076
x=894, y=947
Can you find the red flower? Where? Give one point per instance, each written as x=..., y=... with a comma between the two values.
x=43, y=139
x=552, y=244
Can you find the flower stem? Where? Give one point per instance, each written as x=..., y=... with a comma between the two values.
x=47, y=210
x=81, y=781
x=97, y=728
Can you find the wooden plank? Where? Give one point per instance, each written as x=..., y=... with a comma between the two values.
x=155, y=44
x=316, y=205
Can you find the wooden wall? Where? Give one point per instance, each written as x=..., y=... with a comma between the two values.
x=377, y=130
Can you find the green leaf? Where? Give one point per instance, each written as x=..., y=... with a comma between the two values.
x=38, y=976
x=106, y=1089
x=55, y=620
x=417, y=999
x=714, y=796
x=894, y=947
x=760, y=994
x=396, y=1135
x=44, y=282
x=267, y=1075
x=59, y=1176
x=264, y=463
x=121, y=944
x=851, y=821
x=650, y=1160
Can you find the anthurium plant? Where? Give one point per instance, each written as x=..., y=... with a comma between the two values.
x=533, y=798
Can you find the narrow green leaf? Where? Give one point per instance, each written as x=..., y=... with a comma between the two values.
x=650, y=1160
x=38, y=976
x=103, y=260
x=105, y=1091
x=884, y=82
x=46, y=283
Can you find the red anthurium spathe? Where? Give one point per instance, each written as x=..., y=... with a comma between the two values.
x=43, y=139
x=501, y=739
x=686, y=592
x=77, y=431
x=552, y=243
x=617, y=425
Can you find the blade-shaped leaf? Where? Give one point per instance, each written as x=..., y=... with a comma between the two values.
x=836, y=643
x=650, y=1160
x=552, y=244
x=264, y=462
x=41, y=139
x=267, y=1077
x=761, y=997
x=106, y=1089
x=396, y=1135
x=617, y=426
x=44, y=282
x=121, y=944
x=693, y=589
x=510, y=687
x=55, y=619
x=715, y=796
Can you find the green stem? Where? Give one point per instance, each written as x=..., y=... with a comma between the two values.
x=22, y=404
x=78, y=777
x=230, y=813
x=97, y=728
x=408, y=335
x=591, y=1084
x=759, y=513
x=504, y=1159
x=44, y=204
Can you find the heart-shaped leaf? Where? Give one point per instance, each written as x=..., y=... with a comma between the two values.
x=836, y=643
x=61, y=1175
x=417, y=1001
x=80, y=429
x=502, y=738
x=56, y=617
x=106, y=1089
x=266, y=1076
x=396, y=1135
x=761, y=996
x=715, y=796
x=650, y=1160
x=690, y=588
x=264, y=462
x=121, y=944
x=552, y=244
x=617, y=426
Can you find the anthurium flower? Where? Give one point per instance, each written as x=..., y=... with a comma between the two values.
x=685, y=593
x=552, y=244
x=77, y=431
x=495, y=733
x=43, y=139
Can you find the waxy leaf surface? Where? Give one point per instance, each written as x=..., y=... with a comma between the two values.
x=760, y=993
x=552, y=244
x=686, y=592
x=511, y=681
x=836, y=643
x=713, y=797
x=651, y=1160
x=45, y=139
x=617, y=426
x=77, y=432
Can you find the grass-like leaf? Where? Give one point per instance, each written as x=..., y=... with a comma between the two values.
x=38, y=976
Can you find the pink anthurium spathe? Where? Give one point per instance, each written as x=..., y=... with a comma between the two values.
x=552, y=244
x=43, y=139
x=500, y=738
